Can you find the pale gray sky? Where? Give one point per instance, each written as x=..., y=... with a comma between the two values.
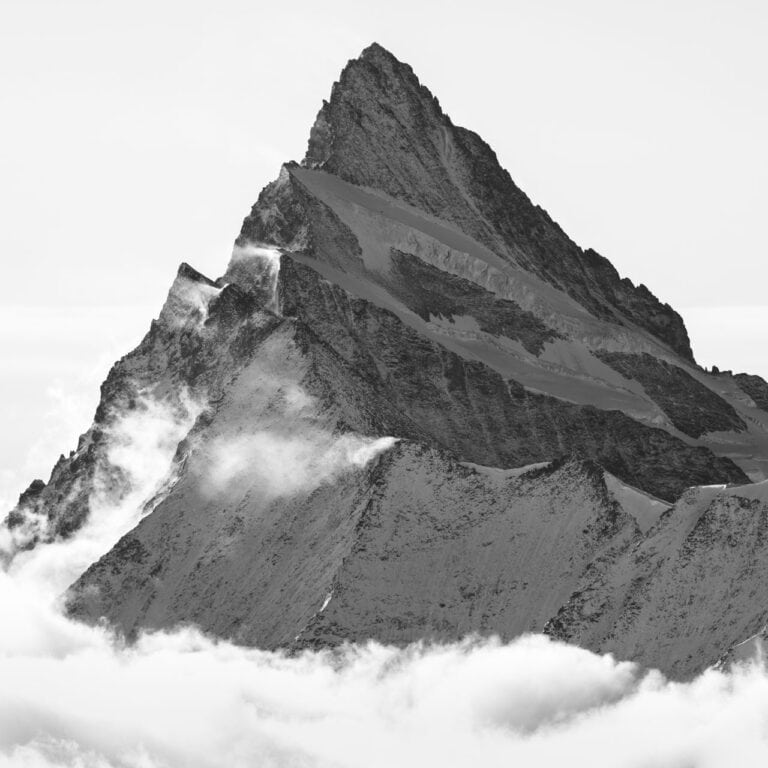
x=135, y=135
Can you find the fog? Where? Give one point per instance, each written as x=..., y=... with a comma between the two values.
x=76, y=696
x=286, y=464
x=73, y=696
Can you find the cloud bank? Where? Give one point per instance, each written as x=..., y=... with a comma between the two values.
x=73, y=696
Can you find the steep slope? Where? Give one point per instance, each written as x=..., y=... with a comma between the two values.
x=692, y=407
x=398, y=332
x=471, y=409
x=382, y=129
x=191, y=350
x=413, y=546
x=381, y=250
x=683, y=596
x=754, y=386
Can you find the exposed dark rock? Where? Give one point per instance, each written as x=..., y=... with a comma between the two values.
x=471, y=410
x=36, y=487
x=414, y=547
x=755, y=386
x=430, y=291
x=382, y=129
x=691, y=407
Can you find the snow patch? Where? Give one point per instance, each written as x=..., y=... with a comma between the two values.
x=644, y=507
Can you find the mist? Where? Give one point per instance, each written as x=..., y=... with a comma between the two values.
x=137, y=470
x=286, y=464
x=74, y=696
x=77, y=696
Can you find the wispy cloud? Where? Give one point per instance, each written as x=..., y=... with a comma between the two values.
x=280, y=465
x=138, y=463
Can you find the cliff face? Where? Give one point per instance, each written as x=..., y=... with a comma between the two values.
x=685, y=594
x=382, y=129
x=414, y=546
x=399, y=330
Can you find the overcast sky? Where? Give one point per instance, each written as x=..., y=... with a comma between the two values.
x=136, y=135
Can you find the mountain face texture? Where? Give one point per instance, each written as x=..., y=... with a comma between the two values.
x=413, y=409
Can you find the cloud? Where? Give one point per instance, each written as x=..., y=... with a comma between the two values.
x=75, y=696
x=53, y=362
x=258, y=267
x=284, y=464
x=286, y=445
x=141, y=444
x=72, y=696
x=188, y=301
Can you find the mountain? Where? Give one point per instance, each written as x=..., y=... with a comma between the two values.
x=412, y=408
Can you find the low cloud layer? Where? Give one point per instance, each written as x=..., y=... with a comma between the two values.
x=73, y=696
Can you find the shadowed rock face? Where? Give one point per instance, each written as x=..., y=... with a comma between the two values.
x=382, y=129
x=399, y=335
x=755, y=386
x=692, y=407
x=429, y=291
x=468, y=408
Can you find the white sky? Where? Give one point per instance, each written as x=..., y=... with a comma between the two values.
x=135, y=135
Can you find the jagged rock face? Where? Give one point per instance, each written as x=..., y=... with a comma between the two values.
x=398, y=286
x=469, y=409
x=692, y=407
x=197, y=344
x=683, y=596
x=430, y=292
x=416, y=546
x=383, y=129
x=755, y=386
x=473, y=540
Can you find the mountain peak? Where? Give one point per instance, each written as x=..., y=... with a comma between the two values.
x=376, y=52
x=383, y=130
x=376, y=97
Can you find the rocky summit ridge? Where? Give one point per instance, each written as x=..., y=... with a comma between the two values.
x=412, y=408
